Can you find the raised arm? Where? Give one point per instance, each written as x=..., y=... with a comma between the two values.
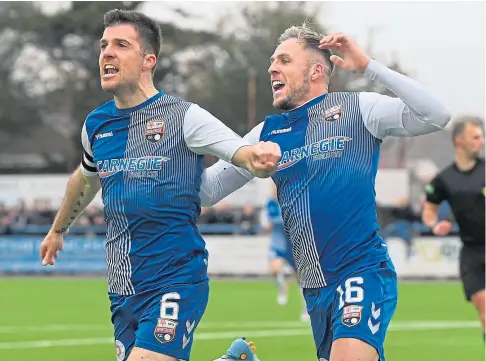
x=416, y=111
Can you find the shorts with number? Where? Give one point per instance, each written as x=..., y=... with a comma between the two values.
x=161, y=321
x=360, y=306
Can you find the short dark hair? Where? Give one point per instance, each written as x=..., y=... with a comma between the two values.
x=461, y=122
x=310, y=40
x=148, y=30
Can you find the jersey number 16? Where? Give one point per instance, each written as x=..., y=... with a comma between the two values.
x=351, y=293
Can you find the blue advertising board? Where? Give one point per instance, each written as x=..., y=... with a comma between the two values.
x=81, y=254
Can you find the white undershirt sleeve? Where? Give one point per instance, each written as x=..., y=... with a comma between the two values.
x=416, y=111
x=207, y=135
x=88, y=167
x=223, y=178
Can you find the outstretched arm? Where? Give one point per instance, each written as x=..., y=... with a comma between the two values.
x=416, y=111
x=205, y=134
x=219, y=181
x=223, y=178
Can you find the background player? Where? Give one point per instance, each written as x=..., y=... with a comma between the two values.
x=280, y=252
x=146, y=148
x=462, y=184
x=325, y=183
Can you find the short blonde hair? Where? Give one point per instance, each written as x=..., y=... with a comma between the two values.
x=310, y=40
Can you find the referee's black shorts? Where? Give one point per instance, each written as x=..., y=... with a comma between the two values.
x=471, y=266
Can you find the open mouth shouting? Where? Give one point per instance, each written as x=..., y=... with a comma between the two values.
x=109, y=71
x=277, y=87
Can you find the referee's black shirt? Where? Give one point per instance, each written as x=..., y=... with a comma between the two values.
x=465, y=192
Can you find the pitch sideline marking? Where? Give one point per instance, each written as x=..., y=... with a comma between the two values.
x=220, y=325
x=403, y=326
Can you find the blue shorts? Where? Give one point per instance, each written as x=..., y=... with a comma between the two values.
x=286, y=255
x=360, y=306
x=163, y=320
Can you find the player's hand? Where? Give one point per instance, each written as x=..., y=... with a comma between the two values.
x=442, y=228
x=50, y=247
x=264, y=159
x=355, y=60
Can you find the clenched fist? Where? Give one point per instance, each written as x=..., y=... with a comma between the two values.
x=264, y=158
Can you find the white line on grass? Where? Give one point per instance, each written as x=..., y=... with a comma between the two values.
x=432, y=325
x=54, y=343
x=397, y=326
x=53, y=328
x=203, y=325
x=230, y=325
x=219, y=325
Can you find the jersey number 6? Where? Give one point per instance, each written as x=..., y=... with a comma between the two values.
x=168, y=303
x=351, y=292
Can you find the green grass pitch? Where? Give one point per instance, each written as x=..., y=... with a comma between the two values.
x=68, y=320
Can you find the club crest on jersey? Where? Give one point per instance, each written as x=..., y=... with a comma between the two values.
x=154, y=131
x=351, y=315
x=333, y=114
x=165, y=330
x=120, y=350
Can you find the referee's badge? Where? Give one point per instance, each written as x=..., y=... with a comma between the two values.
x=429, y=189
x=333, y=114
x=154, y=131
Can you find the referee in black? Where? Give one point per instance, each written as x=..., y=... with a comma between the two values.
x=462, y=185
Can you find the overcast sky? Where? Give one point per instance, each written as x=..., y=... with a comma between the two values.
x=442, y=44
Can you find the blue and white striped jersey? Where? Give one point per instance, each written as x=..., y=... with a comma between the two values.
x=325, y=183
x=326, y=176
x=149, y=159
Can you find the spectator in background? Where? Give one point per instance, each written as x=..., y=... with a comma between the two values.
x=249, y=220
x=402, y=217
x=26, y=218
x=207, y=216
x=4, y=218
x=223, y=213
x=42, y=213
